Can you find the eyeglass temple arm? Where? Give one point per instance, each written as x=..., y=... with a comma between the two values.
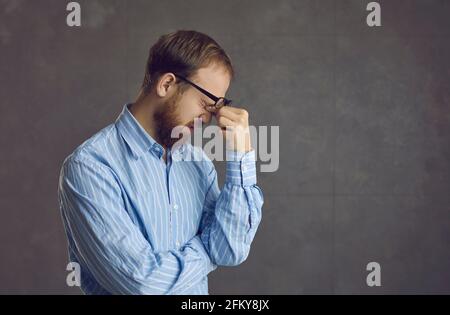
x=213, y=97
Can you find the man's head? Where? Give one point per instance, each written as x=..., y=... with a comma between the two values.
x=194, y=56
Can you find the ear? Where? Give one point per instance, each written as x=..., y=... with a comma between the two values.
x=165, y=84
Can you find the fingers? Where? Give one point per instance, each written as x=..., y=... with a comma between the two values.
x=211, y=108
x=228, y=112
x=236, y=110
x=234, y=125
x=225, y=122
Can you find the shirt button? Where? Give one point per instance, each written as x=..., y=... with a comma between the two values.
x=177, y=244
x=175, y=207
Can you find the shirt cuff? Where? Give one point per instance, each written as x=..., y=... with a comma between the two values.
x=241, y=168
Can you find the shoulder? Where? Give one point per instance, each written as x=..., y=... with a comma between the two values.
x=97, y=147
x=92, y=154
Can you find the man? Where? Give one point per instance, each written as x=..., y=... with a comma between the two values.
x=140, y=221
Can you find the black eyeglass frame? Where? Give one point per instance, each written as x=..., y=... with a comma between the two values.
x=218, y=101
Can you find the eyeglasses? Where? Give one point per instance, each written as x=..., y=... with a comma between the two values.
x=218, y=101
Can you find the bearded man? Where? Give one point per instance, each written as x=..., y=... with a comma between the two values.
x=137, y=219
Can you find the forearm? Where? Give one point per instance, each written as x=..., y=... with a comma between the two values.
x=140, y=271
x=110, y=245
x=234, y=215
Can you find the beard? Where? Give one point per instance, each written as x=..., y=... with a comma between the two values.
x=166, y=120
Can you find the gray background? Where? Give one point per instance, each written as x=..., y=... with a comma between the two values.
x=364, y=120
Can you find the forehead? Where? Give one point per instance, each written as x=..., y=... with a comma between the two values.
x=214, y=78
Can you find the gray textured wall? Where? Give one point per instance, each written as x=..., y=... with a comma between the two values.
x=364, y=118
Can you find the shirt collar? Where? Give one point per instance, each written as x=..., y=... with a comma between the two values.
x=135, y=135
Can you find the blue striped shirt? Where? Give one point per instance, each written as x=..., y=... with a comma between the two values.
x=136, y=224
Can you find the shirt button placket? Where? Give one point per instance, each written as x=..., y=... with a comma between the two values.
x=174, y=209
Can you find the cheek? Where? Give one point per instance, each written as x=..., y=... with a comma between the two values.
x=188, y=109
